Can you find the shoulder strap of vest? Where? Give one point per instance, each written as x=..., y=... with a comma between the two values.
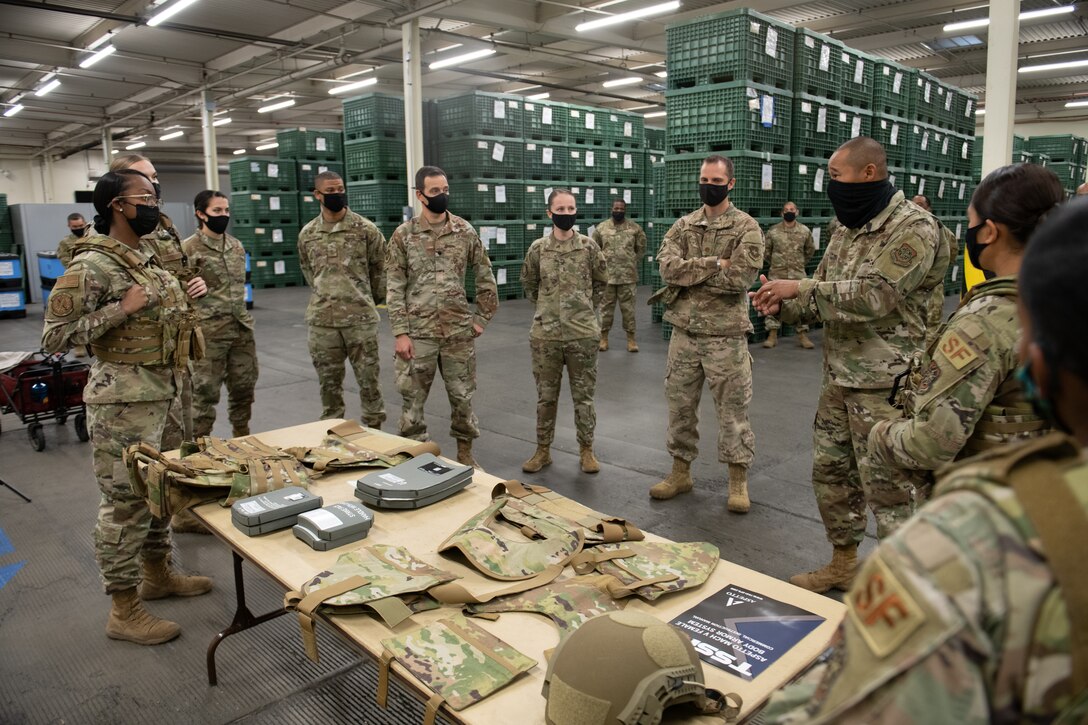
x=120, y=252
x=1001, y=286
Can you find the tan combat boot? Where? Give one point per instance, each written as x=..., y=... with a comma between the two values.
x=542, y=457
x=738, y=489
x=803, y=341
x=129, y=621
x=772, y=339
x=632, y=346
x=838, y=574
x=603, y=347
x=161, y=581
x=677, y=482
x=589, y=461
x=184, y=522
x=464, y=453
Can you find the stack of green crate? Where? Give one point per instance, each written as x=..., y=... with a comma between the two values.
x=7, y=234
x=1066, y=155
x=265, y=216
x=375, y=163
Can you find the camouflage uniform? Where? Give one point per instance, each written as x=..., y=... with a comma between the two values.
x=565, y=280
x=936, y=303
x=426, y=268
x=622, y=247
x=710, y=321
x=868, y=291
x=957, y=617
x=786, y=251
x=230, y=354
x=64, y=248
x=127, y=403
x=344, y=263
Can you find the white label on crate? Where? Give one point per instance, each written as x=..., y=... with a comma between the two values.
x=575, y=113
x=500, y=275
x=481, y=145
x=589, y=196
x=753, y=103
x=627, y=162
x=498, y=151
x=845, y=57
x=500, y=235
x=970, y=108
x=963, y=152
x=530, y=106
x=546, y=155
x=589, y=159
x=576, y=154
x=825, y=57
x=855, y=127
x=481, y=187
x=500, y=194
x=513, y=104
x=10, y=301
x=810, y=41
x=307, y=167
x=944, y=147
x=921, y=185
x=859, y=71
x=752, y=93
x=7, y=269
x=802, y=169
x=626, y=196
x=320, y=145
x=806, y=107
x=818, y=180
x=547, y=192
x=816, y=237
x=499, y=110
x=274, y=170
x=963, y=190
x=614, y=118
x=530, y=147
x=895, y=134
x=308, y=199
x=589, y=231
x=925, y=140
x=767, y=111
x=883, y=123
x=772, y=42
x=255, y=167
x=959, y=225
x=259, y=231
x=614, y=155
x=767, y=177
x=322, y=169
x=948, y=102
x=913, y=178
x=925, y=94
x=486, y=235
x=279, y=267
x=886, y=70
x=261, y=264
x=891, y=179
x=277, y=236
x=274, y=203
x=546, y=116
x=254, y=197
x=628, y=129
x=753, y=27
x=842, y=116
x=955, y=273
x=940, y=190
x=821, y=120
x=897, y=83
x=591, y=121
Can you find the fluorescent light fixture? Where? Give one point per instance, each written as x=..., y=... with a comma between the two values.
x=100, y=41
x=222, y=121
x=1026, y=15
x=662, y=74
x=170, y=12
x=1077, y=104
x=630, y=15
x=463, y=58
x=50, y=86
x=276, y=106
x=265, y=147
x=980, y=112
x=622, y=82
x=48, y=76
x=655, y=114
x=239, y=152
x=449, y=47
x=356, y=73
x=88, y=62
x=13, y=110
x=173, y=134
x=639, y=108
x=134, y=146
x=526, y=88
x=113, y=152
x=220, y=113
x=539, y=96
x=353, y=86
x=1054, y=66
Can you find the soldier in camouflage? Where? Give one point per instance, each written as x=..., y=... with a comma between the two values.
x=963, y=397
x=623, y=243
x=342, y=256
x=788, y=246
x=77, y=227
x=130, y=311
x=869, y=292
x=564, y=277
x=230, y=355
x=950, y=247
x=709, y=260
x=426, y=260
x=969, y=613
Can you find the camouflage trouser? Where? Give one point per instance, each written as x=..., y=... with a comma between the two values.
x=230, y=357
x=580, y=358
x=173, y=432
x=625, y=293
x=844, y=479
x=329, y=348
x=726, y=366
x=455, y=359
x=126, y=531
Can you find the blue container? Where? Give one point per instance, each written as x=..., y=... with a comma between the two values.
x=11, y=267
x=249, y=296
x=50, y=269
x=12, y=303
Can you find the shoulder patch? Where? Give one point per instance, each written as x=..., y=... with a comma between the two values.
x=928, y=376
x=957, y=350
x=883, y=610
x=61, y=304
x=67, y=281
x=904, y=255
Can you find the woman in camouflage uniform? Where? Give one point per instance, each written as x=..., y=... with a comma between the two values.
x=118, y=300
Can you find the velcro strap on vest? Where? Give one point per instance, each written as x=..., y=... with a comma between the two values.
x=457, y=593
x=433, y=706
x=586, y=561
x=135, y=342
x=616, y=530
x=392, y=610
x=306, y=606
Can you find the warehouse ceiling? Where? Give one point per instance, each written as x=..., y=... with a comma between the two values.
x=243, y=54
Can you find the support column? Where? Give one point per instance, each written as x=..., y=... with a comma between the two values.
x=1001, y=57
x=211, y=157
x=411, y=58
x=107, y=147
x=47, y=179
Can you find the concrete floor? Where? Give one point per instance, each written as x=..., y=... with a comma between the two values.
x=56, y=664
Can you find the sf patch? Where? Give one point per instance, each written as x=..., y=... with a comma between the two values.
x=904, y=255
x=957, y=351
x=884, y=611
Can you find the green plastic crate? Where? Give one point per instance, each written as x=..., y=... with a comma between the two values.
x=624, y=130
x=587, y=164
x=507, y=280
x=262, y=174
x=380, y=202
x=626, y=167
x=325, y=144
x=594, y=202
x=858, y=74
x=749, y=194
x=817, y=64
x=962, y=154
x=267, y=241
x=736, y=117
x=488, y=199
x=308, y=207
x=545, y=121
x=264, y=208
x=481, y=114
x=892, y=132
x=854, y=122
x=892, y=87
x=658, y=177
x=374, y=115
x=930, y=149
x=503, y=240
x=953, y=278
x=964, y=107
x=808, y=179
x=276, y=272
x=376, y=159
x=308, y=170
x=545, y=161
x=587, y=126
x=931, y=101
x=1071, y=175
x=477, y=157
x=1063, y=148
x=816, y=131
x=740, y=45
x=655, y=138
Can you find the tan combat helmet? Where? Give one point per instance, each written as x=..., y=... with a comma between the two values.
x=626, y=667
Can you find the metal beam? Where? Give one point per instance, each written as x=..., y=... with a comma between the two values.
x=411, y=60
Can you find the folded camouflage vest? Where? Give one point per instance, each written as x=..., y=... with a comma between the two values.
x=597, y=528
x=649, y=569
x=210, y=469
x=457, y=659
x=567, y=602
x=383, y=580
x=346, y=446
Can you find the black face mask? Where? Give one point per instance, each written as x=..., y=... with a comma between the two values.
x=78, y=231
x=145, y=221
x=857, y=204
x=158, y=189
x=436, y=204
x=974, y=248
x=564, y=221
x=618, y=217
x=713, y=194
x=790, y=216
x=217, y=224
x=334, y=202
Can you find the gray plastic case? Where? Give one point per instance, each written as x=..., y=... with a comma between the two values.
x=337, y=521
x=423, y=480
x=317, y=544
x=410, y=503
x=272, y=506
